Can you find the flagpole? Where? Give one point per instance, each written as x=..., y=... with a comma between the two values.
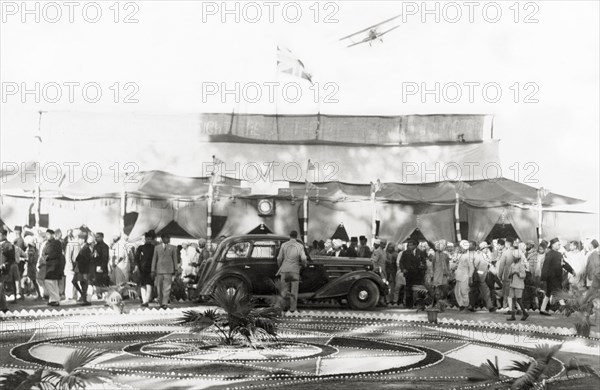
x=457, y=216
x=309, y=167
x=305, y=214
x=37, y=197
x=540, y=210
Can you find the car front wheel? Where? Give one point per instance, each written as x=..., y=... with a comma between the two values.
x=363, y=295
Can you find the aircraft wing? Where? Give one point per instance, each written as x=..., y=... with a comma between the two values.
x=358, y=43
x=385, y=32
x=368, y=28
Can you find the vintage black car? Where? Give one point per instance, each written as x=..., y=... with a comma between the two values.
x=250, y=262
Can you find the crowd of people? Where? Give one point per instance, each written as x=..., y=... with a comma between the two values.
x=74, y=267
x=501, y=274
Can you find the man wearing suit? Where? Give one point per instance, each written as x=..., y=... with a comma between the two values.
x=164, y=267
x=291, y=259
x=55, y=267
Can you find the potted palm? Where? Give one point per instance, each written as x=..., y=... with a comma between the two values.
x=426, y=301
x=237, y=320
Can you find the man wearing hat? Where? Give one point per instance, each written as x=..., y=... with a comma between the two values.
x=19, y=242
x=352, y=249
x=202, y=254
x=55, y=267
x=81, y=268
x=143, y=267
x=412, y=268
x=379, y=257
x=552, y=273
x=100, y=258
x=164, y=267
x=363, y=250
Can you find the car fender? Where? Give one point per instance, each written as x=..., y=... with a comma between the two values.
x=341, y=286
x=208, y=288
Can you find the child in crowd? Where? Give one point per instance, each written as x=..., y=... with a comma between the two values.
x=517, y=285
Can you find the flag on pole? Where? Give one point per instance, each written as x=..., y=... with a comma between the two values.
x=288, y=63
x=217, y=161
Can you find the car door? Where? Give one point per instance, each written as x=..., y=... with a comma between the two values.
x=312, y=277
x=262, y=266
x=236, y=257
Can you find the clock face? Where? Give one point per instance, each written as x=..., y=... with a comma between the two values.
x=265, y=206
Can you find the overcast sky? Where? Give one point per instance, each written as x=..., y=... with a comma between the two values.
x=176, y=47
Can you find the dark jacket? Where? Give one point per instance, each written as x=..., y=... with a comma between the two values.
x=55, y=260
x=100, y=257
x=143, y=258
x=552, y=269
x=351, y=252
x=83, y=259
x=413, y=266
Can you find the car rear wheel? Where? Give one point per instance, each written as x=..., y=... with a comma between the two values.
x=232, y=284
x=363, y=295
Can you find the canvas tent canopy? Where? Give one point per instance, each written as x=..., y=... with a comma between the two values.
x=428, y=161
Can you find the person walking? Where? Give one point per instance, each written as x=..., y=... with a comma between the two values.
x=164, y=268
x=506, y=259
x=480, y=287
x=143, y=266
x=71, y=251
x=391, y=268
x=412, y=266
x=82, y=268
x=517, y=275
x=290, y=259
x=55, y=268
x=379, y=257
x=463, y=275
x=552, y=273
x=440, y=263
x=32, y=255
x=100, y=258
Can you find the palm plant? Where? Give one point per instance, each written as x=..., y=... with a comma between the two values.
x=542, y=353
x=238, y=320
x=76, y=377
x=22, y=380
x=578, y=308
x=486, y=371
x=575, y=365
x=426, y=299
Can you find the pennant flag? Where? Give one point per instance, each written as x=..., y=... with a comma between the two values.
x=288, y=63
x=216, y=161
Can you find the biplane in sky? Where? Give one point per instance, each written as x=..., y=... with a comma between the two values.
x=372, y=33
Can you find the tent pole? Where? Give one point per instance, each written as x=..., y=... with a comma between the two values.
x=373, y=215
x=123, y=211
x=539, y=207
x=36, y=207
x=305, y=216
x=209, y=216
x=457, y=216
